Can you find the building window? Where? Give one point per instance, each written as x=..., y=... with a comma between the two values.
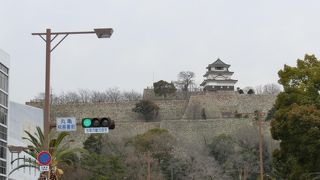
x=3, y=133
x=3, y=165
x=3, y=150
x=4, y=68
x=3, y=115
x=4, y=99
x=3, y=82
x=219, y=68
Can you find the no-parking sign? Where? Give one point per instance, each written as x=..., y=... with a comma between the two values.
x=44, y=158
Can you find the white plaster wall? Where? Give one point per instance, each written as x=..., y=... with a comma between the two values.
x=22, y=117
x=219, y=84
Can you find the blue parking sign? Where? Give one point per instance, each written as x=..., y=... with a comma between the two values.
x=66, y=124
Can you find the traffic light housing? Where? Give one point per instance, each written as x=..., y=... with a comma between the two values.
x=98, y=122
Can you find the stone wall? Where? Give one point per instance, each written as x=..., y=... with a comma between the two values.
x=179, y=95
x=215, y=104
x=120, y=112
x=181, y=117
x=197, y=132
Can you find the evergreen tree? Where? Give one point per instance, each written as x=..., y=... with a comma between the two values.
x=296, y=122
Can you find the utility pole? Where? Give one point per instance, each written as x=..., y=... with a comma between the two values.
x=260, y=144
x=149, y=161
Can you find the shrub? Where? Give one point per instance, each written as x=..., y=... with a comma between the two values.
x=250, y=91
x=148, y=109
x=203, y=114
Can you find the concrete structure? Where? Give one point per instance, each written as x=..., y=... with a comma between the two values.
x=4, y=95
x=218, y=77
x=21, y=118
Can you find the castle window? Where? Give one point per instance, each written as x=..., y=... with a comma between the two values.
x=219, y=68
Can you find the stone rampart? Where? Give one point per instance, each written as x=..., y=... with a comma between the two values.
x=181, y=117
x=196, y=132
x=120, y=112
x=216, y=104
x=179, y=95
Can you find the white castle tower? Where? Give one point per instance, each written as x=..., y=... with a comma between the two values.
x=218, y=77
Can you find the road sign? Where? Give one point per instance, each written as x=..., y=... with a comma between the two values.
x=96, y=130
x=44, y=168
x=44, y=158
x=66, y=124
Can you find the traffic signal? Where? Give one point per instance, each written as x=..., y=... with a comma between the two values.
x=98, y=122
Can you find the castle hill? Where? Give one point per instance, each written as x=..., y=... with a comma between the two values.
x=189, y=117
x=159, y=90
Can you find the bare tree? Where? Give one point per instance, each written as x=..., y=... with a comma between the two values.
x=72, y=97
x=246, y=89
x=84, y=96
x=259, y=89
x=271, y=89
x=113, y=94
x=97, y=96
x=185, y=80
x=131, y=96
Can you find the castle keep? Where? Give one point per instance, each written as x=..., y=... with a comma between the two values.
x=218, y=77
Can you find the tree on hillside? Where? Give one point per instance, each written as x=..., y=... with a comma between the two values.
x=148, y=109
x=158, y=144
x=273, y=89
x=131, y=96
x=238, y=153
x=98, y=164
x=113, y=94
x=185, y=80
x=296, y=122
x=250, y=91
x=246, y=89
x=240, y=91
x=163, y=88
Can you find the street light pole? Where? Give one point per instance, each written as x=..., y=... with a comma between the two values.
x=100, y=32
x=46, y=117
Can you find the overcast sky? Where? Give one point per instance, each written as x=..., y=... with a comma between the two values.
x=154, y=40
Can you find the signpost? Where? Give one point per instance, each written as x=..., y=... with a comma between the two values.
x=66, y=124
x=44, y=159
x=96, y=130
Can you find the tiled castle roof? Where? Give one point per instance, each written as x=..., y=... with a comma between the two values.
x=218, y=63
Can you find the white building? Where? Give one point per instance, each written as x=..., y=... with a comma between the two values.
x=4, y=94
x=218, y=77
x=21, y=118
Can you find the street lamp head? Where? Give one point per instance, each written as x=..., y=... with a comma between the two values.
x=103, y=32
x=16, y=149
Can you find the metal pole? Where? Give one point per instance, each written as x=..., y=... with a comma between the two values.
x=149, y=166
x=47, y=92
x=260, y=146
x=47, y=95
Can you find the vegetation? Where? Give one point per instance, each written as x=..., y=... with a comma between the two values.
x=240, y=91
x=86, y=96
x=238, y=153
x=163, y=88
x=61, y=154
x=99, y=165
x=203, y=114
x=296, y=122
x=185, y=80
x=250, y=91
x=147, y=108
x=272, y=89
